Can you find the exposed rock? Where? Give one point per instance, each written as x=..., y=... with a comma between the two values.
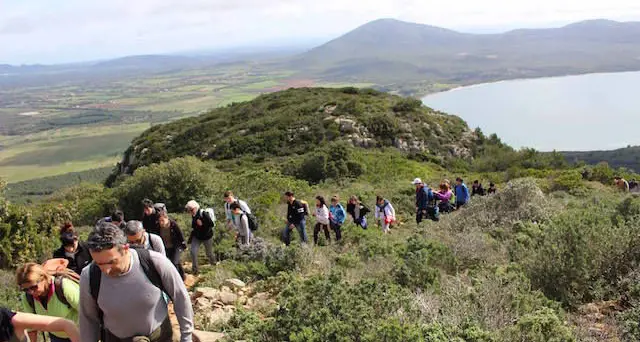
x=202, y=304
x=220, y=315
x=225, y=289
x=243, y=300
x=235, y=284
x=205, y=336
x=346, y=125
x=330, y=109
x=228, y=298
x=208, y=292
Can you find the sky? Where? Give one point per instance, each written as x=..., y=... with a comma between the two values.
x=46, y=31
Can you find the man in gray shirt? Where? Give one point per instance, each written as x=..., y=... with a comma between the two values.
x=130, y=306
x=138, y=236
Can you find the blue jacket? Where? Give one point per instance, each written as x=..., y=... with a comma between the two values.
x=424, y=196
x=462, y=193
x=338, y=214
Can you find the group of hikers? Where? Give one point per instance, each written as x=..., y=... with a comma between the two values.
x=116, y=285
x=623, y=185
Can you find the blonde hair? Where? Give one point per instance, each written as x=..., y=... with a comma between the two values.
x=354, y=199
x=31, y=273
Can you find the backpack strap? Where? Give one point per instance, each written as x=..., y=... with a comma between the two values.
x=150, y=240
x=57, y=284
x=95, y=278
x=150, y=269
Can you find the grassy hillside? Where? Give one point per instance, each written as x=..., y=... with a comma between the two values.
x=299, y=121
x=392, y=51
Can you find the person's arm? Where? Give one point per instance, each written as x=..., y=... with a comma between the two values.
x=342, y=216
x=158, y=244
x=88, y=310
x=23, y=321
x=244, y=206
x=174, y=286
x=180, y=242
x=71, y=292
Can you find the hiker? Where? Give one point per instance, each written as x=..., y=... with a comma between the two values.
x=492, y=189
x=322, y=220
x=229, y=198
x=425, y=207
x=296, y=212
x=385, y=214
x=74, y=251
x=117, y=218
x=13, y=326
x=150, y=216
x=633, y=186
x=124, y=293
x=137, y=236
x=337, y=216
x=241, y=222
x=621, y=183
x=462, y=193
x=358, y=211
x=173, y=241
x=44, y=294
x=202, y=224
x=477, y=189
x=444, y=195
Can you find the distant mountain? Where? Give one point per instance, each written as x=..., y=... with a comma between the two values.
x=389, y=50
x=628, y=157
x=150, y=62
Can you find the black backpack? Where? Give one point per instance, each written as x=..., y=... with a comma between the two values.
x=149, y=269
x=253, y=221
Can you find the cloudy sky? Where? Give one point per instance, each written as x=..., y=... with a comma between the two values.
x=46, y=31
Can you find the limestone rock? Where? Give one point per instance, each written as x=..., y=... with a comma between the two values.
x=235, y=284
x=221, y=316
x=207, y=292
x=206, y=336
x=243, y=300
x=228, y=298
x=225, y=289
x=203, y=304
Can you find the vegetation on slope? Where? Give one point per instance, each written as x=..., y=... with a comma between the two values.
x=628, y=157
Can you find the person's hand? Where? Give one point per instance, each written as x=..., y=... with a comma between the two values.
x=199, y=222
x=292, y=226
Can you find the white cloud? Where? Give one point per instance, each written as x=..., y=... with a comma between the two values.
x=41, y=30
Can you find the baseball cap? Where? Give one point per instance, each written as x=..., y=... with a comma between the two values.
x=417, y=181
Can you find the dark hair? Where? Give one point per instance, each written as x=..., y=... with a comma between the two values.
x=288, y=194
x=617, y=177
x=67, y=227
x=105, y=236
x=228, y=194
x=459, y=180
x=322, y=201
x=492, y=184
x=379, y=198
x=117, y=216
x=476, y=182
x=147, y=203
x=235, y=206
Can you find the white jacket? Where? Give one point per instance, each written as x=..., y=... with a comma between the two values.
x=388, y=211
x=322, y=215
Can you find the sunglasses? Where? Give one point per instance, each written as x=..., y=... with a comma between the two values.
x=30, y=288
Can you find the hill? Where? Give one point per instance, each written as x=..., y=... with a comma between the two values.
x=628, y=157
x=298, y=121
x=389, y=50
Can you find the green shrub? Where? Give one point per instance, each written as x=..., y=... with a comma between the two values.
x=567, y=181
x=542, y=326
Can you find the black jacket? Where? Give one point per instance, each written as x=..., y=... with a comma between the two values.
x=295, y=212
x=176, y=235
x=351, y=209
x=81, y=259
x=204, y=232
x=150, y=223
x=479, y=190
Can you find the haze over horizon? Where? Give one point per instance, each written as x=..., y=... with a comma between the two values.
x=76, y=30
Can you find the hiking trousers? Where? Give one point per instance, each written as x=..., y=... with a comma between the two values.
x=164, y=333
x=338, y=229
x=316, y=232
x=195, y=248
x=174, y=255
x=302, y=230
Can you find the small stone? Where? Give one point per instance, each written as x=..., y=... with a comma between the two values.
x=220, y=316
x=206, y=336
x=235, y=284
x=225, y=289
x=243, y=300
x=240, y=293
x=207, y=292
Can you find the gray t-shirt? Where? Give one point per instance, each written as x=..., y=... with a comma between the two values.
x=156, y=240
x=132, y=305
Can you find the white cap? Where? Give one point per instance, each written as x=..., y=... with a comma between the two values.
x=417, y=181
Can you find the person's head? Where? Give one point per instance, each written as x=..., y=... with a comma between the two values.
x=33, y=279
x=476, y=183
x=235, y=208
x=109, y=249
x=379, y=200
x=354, y=199
x=192, y=207
x=418, y=182
x=228, y=197
x=289, y=196
x=134, y=232
x=444, y=187
x=320, y=201
x=117, y=217
x=459, y=181
x=163, y=220
x=492, y=185
x=148, y=206
x=335, y=199
x=68, y=237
